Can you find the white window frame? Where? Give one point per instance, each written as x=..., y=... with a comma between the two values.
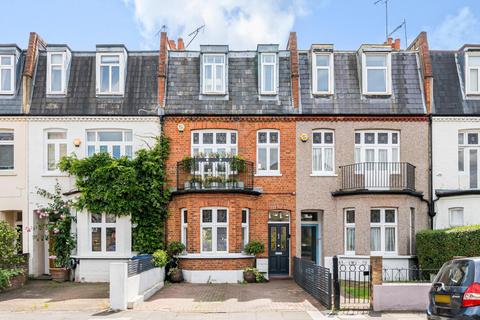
x=450, y=213
x=63, y=67
x=200, y=147
x=10, y=67
x=57, y=143
x=388, y=73
x=8, y=143
x=383, y=225
x=103, y=225
x=329, y=68
x=464, y=148
x=214, y=225
x=246, y=227
x=184, y=226
x=467, y=73
x=268, y=145
x=121, y=73
x=214, y=65
x=322, y=146
x=349, y=226
x=97, y=143
x=262, y=73
x=360, y=148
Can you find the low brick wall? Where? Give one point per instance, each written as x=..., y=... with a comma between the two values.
x=20, y=280
x=401, y=296
x=216, y=264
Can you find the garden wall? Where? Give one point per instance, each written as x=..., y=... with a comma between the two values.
x=401, y=296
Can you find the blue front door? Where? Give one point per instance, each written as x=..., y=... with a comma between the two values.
x=309, y=242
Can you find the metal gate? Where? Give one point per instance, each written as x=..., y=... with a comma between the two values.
x=316, y=280
x=352, y=285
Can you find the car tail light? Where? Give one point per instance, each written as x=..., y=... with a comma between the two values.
x=471, y=297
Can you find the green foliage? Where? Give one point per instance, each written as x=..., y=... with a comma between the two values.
x=136, y=187
x=174, y=248
x=435, y=247
x=57, y=220
x=160, y=258
x=6, y=275
x=259, y=277
x=9, y=259
x=254, y=248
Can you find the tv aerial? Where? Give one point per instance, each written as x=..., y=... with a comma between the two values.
x=194, y=34
x=402, y=25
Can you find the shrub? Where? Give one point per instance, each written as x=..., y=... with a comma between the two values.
x=160, y=258
x=254, y=247
x=9, y=259
x=174, y=248
x=435, y=247
x=259, y=277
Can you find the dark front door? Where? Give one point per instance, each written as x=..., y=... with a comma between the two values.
x=278, y=248
x=309, y=243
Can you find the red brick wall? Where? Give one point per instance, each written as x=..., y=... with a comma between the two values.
x=216, y=264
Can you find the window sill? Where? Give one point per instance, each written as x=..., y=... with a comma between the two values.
x=8, y=173
x=214, y=93
x=385, y=255
x=225, y=255
x=323, y=175
x=377, y=94
x=102, y=256
x=322, y=94
x=269, y=94
x=110, y=94
x=268, y=174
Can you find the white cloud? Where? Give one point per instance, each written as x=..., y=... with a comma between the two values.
x=456, y=30
x=240, y=24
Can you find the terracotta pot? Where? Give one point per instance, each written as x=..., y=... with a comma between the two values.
x=60, y=274
x=249, y=276
x=176, y=276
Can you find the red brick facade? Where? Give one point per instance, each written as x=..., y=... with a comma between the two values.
x=277, y=192
x=216, y=264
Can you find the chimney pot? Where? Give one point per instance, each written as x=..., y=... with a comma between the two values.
x=396, y=45
x=390, y=40
x=181, y=45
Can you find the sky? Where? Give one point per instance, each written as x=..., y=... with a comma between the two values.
x=241, y=24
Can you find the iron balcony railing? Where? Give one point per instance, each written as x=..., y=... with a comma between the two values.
x=214, y=173
x=377, y=176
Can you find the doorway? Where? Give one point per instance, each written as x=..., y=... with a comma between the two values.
x=278, y=248
x=309, y=243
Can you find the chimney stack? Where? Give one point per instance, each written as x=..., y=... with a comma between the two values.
x=162, y=69
x=35, y=43
x=420, y=44
x=292, y=47
x=172, y=44
x=181, y=45
x=396, y=45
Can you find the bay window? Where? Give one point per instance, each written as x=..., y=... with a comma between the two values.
x=472, y=72
x=383, y=231
x=214, y=230
x=377, y=146
x=6, y=150
x=56, y=148
x=118, y=143
x=350, y=231
x=323, y=152
x=214, y=73
x=103, y=232
x=268, y=152
x=268, y=73
x=323, y=80
x=207, y=142
x=7, y=74
x=376, y=73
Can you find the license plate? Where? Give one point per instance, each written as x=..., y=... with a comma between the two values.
x=442, y=298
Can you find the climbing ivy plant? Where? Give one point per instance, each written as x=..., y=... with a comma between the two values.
x=135, y=187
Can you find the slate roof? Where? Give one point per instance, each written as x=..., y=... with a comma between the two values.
x=448, y=84
x=12, y=104
x=140, y=96
x=406, y=98
x=184, y=95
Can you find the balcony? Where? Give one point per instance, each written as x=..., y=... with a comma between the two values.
x=377, y=177
x=205, y=174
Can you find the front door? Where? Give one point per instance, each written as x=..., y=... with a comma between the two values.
x=309, y=243
x=278, y=248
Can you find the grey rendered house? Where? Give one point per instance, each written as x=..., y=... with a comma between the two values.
x=362, y=155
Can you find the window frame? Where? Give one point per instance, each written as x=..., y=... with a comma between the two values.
x=468, y=68
x=262, y=73
x=268, y=146
x=383, y=225
x=121, y=73
x=331, y=75
x=360, y=148
x=246, y=226
x=103, y=225
x=214, y=79
x=56, y=143
x=388, y=73
x=214, y=146
x=184, y=227
x=97, y=143
x=10, y=67
x=63, y=73
x=8, y=143
x=464, y=148
x=349, y=226
x=456, y=209
x=214, y=225
x=322, y=146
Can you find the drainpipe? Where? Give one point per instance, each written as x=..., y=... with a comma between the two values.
x=431, y=202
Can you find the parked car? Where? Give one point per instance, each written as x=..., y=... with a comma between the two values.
x=455, y=292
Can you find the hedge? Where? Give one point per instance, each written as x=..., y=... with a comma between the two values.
x=435, y=247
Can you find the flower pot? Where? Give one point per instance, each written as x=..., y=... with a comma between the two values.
x=176, y=276
x=60, y=274
x=249, y=276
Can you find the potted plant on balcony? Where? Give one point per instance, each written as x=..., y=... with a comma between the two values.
x=231, y=182
x=213, y=182
x=194, y=182
x=174, y=249
x=251, y=274
x=238, y=164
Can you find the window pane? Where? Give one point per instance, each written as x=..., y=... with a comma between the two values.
x=63, y=150
x=473, y=169
x=390, y=216
x=110, y=136
x=208, y=78
x=268, y=58
x=185, y=216
x=322, y=60
x=104, y=149
x=461, y=160
x=375, y=216
x=383, y=138
x=128, y=136
x=221, y=138
x=116, y=152
x=96, y=239
x=369, y=138
x=96, y=217
x=209, y=59
x=273, y=158
x=56, y=135
x=461, y=137
x=474, y=61
x=394, y=137
x=208, y=138
x=262, y=159
x=350, y=245
x=244, y=237
x=474, y=80
x=357, y=138
x=110, y=59
x=219, y=59
x=222, y=239
x=6, y=157
x=221, y=215
x=268, y=76
x=473, y=138
x=328, y=137
x=51, y=157
x=90, y=151
x=376, y=80
x=350, y=216
x=56, y=59
x=115, y=79
x=6, y=80
x=369, y=155
x=375, y=239
x=376, y=60
x=206, y=216
x=317, y=137
x=196, y=138
x=262, y=137
x=128, y=152
x=6, y=61
x=104, y=78
x=91, y=136
x=244, y=216
x=322, y=80
x=111, y=239
x=110, y=218
x=456, y=217
x=273, y=137
x=317, y=159
x=218, y=78
x=233, y=138
x=389, y=239
x=328, y=159
x=56, y=81
x=206, y=239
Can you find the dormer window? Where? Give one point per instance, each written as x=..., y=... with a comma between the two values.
x=7, y=74
x=268, y=74
x=322, y=73
x=472, y=65
x=56, y=72
x=376, y=73
x=214, y=73
x=111, y=62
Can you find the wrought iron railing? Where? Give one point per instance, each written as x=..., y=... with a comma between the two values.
x=377, y=176
x=214, y=173
x=413, y=274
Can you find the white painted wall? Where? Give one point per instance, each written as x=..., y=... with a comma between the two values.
x=144, y=129
x=401, y=296
x=445, y=169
